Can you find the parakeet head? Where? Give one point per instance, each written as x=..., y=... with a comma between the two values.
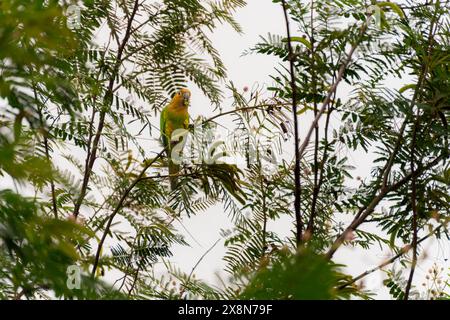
x=183, y=97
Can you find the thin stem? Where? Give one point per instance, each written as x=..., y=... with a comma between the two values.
x=412, y=165
x=316, y=133
x=297, y=188
x=314, y=83
x=119, y=206
x=391, y=260
x=200, y=260
x=264, y=211
x=260, y=106
x=47, y=153
x=414, y=210
x=134, y=281
x=384, y=190
x=130, y=262
x=316, y=191
x=107, y=101
x=329, y=97
x=364, y=212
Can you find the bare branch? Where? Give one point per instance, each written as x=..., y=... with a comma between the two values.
x=119, y=206
x=297, y=188
x=391, y=260
x=92, y=156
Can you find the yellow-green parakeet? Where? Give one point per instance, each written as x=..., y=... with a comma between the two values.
x=174, y=116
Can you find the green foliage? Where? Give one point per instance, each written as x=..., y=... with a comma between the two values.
x=58, y=80
x=304, y=276
x=37, y=251
x=35, y=47
x=76, y=132
x=371, y=121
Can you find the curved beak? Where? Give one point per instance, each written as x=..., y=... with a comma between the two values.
x=186, y=98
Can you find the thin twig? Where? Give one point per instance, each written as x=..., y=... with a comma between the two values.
x=133, y=284
x=391, y=260
x=119, y=206
x=264, y=212
x=316, y=190
x=316, y=168
x=364, y=212
x=414, y=210
x=297, y=182
x=47, y=153
x=107, y=101
x=260, y=106
x=412, y=164
x=201, y=258
x=384, y=190
x=331, y=92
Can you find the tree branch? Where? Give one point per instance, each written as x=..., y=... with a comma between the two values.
x=201, y=258
x=261, y=106
x=364, y=212
x=47, y=152
x=331, y=92
x=119, y=206
x=389, y=261
x=297, y=188
x=412, y=164
x=107, y=101
x=414, y=210
x=316, y=168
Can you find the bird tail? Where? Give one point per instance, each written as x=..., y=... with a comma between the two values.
x=173, y=170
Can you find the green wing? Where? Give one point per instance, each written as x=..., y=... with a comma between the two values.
x=163, y=122
x=167, y=124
